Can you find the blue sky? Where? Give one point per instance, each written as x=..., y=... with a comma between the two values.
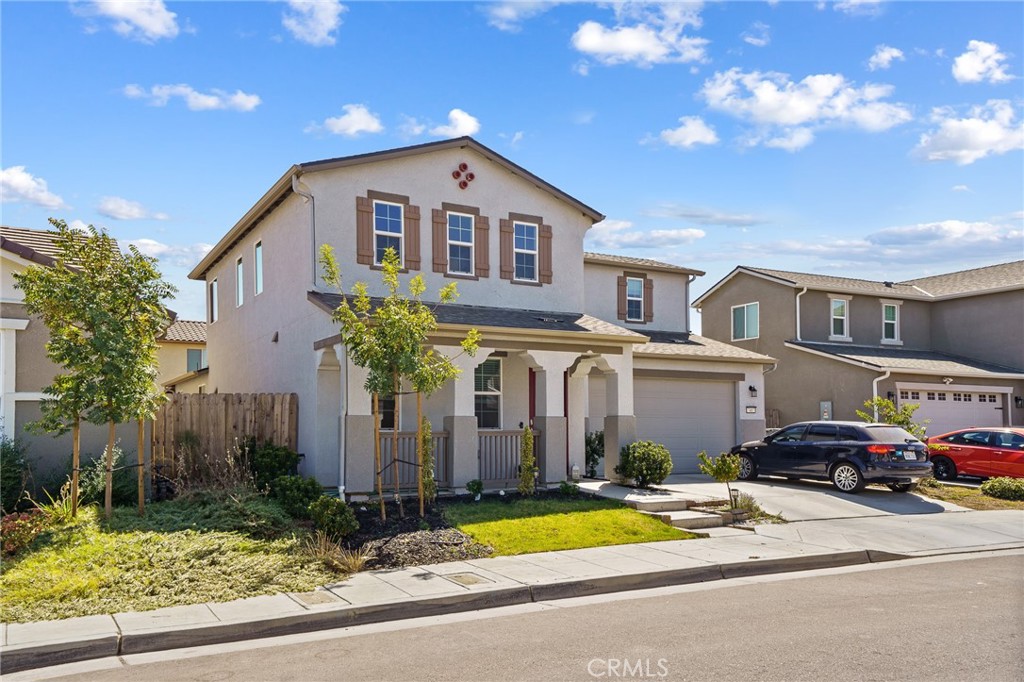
x=868, y=139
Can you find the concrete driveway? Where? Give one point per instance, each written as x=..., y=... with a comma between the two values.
x=812, y=500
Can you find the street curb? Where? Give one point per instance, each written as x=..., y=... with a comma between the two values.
x=28, y=656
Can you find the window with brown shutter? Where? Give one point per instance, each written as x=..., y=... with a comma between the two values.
x=648, y=300
x=544, y=254
x=482, y=252
x=622, y=313
x=505, y=243
x=387, y=220
x=525, y=249
x=460, y=241
x=439, y=223
x=364, y=231
x=412, y=237
x=635, y=303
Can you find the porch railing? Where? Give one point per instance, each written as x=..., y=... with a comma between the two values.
x=498, y=452
x=407, y=469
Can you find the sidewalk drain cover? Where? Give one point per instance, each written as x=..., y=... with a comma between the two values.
x=315, y=597
x=468, y=579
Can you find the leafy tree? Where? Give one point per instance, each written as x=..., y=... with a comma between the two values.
x=527, y=463
x=104, y=310
x=725, y=468
x=389, y=337
x=888, y=413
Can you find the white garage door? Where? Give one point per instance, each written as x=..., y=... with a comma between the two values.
x=950, y=410
x=687, y=417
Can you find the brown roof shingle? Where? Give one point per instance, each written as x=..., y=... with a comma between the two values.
x=185, y=331
x=908, y=359
x=697, y=347
x=1002, y=276
x=615, y=259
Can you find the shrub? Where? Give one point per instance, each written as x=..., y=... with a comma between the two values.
x=724, y=468
x=527, y=463
x=646, y=462
x=18, y=530
x=14, y=473
x=271, y=461
x=427, y=472
x=594, y=449
x=475, y=487
x=1004, y=488
x=569, y=489
x=197, y=468
x=296, y=493
x=333, y=517
x=59, y=509
x=92, y=481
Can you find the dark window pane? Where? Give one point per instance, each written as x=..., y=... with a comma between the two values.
x=488, y=411
x=634, y=310
x=387, y=413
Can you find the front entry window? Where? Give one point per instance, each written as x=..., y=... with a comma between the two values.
x=487, y=389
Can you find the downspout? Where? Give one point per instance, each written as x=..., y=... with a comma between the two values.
x=305, y=194
x=798, y=313
x=874, y=389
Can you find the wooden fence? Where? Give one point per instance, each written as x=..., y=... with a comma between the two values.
x=214, y=424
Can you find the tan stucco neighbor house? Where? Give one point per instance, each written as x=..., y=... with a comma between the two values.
x=571, y=341
x=182, y=357
x=953, y=343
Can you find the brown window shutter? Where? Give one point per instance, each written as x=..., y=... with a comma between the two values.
x=544, y=254
x=505, y=241
x=648, y=299
x=440, y=239
x=364, y=231
x=622, y=314
x=481, y=250
x=412, y=237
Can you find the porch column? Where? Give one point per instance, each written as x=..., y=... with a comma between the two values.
x=620, y=422
x=330, y=456
x=460, y=423
x=360, y=474
x=579, y=389
x=550, y=367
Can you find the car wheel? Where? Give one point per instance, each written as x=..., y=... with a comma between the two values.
x=847, y=478
x=943, y=468
x=902, y=487
x=748, y=469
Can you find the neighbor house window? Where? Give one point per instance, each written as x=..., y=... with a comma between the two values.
x=258, y=267
x=634, y=299
x=239, y=284
x=487, y=390
x=387, y=230
x=840, y=329
x=745, y=321
x=525, y=250
x=195, y=359
x=214, y=307
x=891, y=322
x=460, y=244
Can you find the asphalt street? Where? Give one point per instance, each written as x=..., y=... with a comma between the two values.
x=950, y=618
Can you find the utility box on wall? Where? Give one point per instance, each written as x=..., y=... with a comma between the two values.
x=825, y=410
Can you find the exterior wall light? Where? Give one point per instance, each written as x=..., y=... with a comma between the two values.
x=753, y=391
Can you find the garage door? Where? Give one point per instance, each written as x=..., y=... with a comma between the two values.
x=687, y=417
x=950, y=410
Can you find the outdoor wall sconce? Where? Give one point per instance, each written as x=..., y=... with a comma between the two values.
x=753, y=391
x=1018, y=401
x=890, y=395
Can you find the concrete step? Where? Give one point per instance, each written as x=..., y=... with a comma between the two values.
x=688, y=520
x=724, y=532
x=659, y=504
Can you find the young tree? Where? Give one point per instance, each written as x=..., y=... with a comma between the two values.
x=389, y=337
x=885, y=410
x=725, y=469
x=104, y=310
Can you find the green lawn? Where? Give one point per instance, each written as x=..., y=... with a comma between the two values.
x=972, y=498
x=544, y=525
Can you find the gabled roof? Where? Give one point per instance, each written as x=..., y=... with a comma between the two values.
x=37, y=246
x=696, y=347
x=908, y=360
x=978, y=280
x=283, y=188
x=185, y=331
x=645, y=263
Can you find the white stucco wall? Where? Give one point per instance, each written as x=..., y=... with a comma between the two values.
x=670, y=296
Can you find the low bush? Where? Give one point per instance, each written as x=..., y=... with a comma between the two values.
x=475, y=487
x=296, y=493
x=269, y=461
x=569, y=489
x=646, y=462
x=1004, y=488
x=92, y=481
x=240, y=511
x=594, y=448
x=18, y=530
x=14, y=474
x=333, y=517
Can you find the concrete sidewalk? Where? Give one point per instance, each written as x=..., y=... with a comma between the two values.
x=384, y=595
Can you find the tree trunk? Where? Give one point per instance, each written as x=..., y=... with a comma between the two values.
x=108, y=498
x=394, y=445
x=376, y=455
x=76, y=460
x=142, y=454
x=419, y=448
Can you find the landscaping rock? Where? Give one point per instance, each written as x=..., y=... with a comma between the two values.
x=425, y=547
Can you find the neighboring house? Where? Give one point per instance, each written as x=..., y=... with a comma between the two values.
x=182, y=357
x=27, y=371
x=570, y=342
x=952, y=343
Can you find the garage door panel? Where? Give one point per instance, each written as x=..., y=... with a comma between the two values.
x=687, y=417
x=949, y=410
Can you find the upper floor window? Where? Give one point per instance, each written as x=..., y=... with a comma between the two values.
x=258, y=268
x=745, y=321
x=214, y=304
x=840, y=324
x=460, y=243
x=891, y=322
x=487, y=394
x=634, y=299
x=195, y=359
x=387, y=230
x=239, y=284
x=525, y=250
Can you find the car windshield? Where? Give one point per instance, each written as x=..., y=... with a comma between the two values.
x=890, y=434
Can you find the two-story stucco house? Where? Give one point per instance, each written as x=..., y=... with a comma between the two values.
x=571, y=342
x=953, y=343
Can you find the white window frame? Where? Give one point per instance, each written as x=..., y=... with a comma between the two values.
x=897, y=340
x=499, y=393
x=202, y=358
x=400, y=234
x=239, y=282
x=732, y=321
x=214, y=304
x=257, y=264
x=845, y=336
x=471, y=243
x=535, y=252
x=634, y=298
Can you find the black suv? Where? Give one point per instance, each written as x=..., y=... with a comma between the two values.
x=850, y=454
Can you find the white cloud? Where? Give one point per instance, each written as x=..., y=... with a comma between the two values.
x=951, y=235
x=692, y=132
x=863, y=8
x=459, y=124
x=17, y=185
x=619, y=234
x=961, y=188
x=884, y=56
x=982, y=62
x=124, y=209
x=410, y=127
x=79, y=225
x=356, y=120
x=160, y=95
x=146, y=21
x=644, y=35
x=704, y=216
x=178, y=255
x=791, y=140
x=509, y=16
x=989, y=129
x=313, y=21
x=759, y=34
x=582, y=118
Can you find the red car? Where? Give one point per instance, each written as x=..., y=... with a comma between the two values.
x=979, y=451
